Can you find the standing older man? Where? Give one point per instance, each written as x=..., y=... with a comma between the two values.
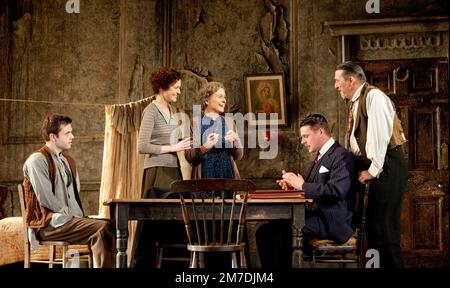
x=374, y=137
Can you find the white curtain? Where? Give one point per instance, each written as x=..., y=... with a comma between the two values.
x=122, y=164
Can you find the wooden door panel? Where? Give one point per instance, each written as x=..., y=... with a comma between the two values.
x=428, y=223
x=383, y=81
x=424, y=80
x=423, y=140
x=409, y=79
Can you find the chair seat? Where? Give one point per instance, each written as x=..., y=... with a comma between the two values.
x=42, y=253
x=335, y=248
x=328, y=251
x=80, y=248
x=331, y=246
x=215, y=248
x=58, y=243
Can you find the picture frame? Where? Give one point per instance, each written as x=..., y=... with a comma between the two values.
x=265, y=93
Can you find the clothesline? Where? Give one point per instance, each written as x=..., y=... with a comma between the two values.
x=145, y=100
x=53, y=102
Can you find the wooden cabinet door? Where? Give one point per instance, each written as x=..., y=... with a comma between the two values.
x=419, y=89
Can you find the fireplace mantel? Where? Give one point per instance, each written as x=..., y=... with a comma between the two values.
x=400, y=34
x=388, y=25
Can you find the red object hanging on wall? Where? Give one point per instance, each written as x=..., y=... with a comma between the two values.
x=267, y=137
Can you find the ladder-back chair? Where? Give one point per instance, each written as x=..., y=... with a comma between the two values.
x=327, y=251
x=83, y=251
x=214, y=212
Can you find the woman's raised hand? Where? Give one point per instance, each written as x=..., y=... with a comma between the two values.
x=211, y=140
x=231, y=136
x=182, y=145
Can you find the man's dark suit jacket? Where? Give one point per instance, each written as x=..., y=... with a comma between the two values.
x=333, y=194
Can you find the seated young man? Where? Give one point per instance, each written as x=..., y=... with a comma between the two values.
x=51, y=187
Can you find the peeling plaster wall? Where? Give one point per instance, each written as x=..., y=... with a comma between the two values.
x=223, y=41
x=76, y=63
x=104, y=56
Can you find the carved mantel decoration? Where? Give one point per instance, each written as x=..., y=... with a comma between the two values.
x=415, y=41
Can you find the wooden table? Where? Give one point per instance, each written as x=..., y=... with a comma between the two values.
x=123, y=210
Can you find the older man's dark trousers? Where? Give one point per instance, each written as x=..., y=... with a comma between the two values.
x=384, y=209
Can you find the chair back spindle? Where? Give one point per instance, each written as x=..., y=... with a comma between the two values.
x=201, y=201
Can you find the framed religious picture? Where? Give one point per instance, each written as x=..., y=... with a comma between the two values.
x=265, y=99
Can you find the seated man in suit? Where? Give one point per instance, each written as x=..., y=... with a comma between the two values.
x=328, y=181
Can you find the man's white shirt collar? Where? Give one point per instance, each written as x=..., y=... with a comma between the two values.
x=357, y=93
x=326, y=147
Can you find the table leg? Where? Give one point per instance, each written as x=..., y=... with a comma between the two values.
x=252, y=227
x=298, y=221
x=121, y=217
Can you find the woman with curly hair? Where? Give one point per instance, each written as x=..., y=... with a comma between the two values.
x=160, y=145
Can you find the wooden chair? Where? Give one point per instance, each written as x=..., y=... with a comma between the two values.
x=212, y=222
x=83, y=252
x=327, y=251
